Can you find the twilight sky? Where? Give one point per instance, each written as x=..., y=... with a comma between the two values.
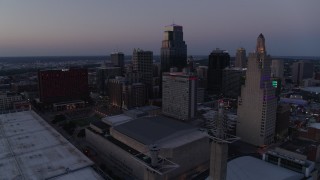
x=98, y=27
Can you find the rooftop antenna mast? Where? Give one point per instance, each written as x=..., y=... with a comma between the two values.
x=219, y=145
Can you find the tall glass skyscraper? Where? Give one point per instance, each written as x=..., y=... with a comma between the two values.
x=173, y=49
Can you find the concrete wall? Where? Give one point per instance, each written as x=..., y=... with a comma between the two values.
x=115, y=156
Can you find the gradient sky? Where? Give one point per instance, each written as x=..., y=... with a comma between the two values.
x=97, y=27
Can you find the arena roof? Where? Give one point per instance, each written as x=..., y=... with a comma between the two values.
x=150, y=130
x=32, y=149
x=250, y=168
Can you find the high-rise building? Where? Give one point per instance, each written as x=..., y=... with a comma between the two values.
x=257, y=104
x=142, y=63
x=277, y=68
x=179, y=95
x=117, y=59
x=218, y=60
x=173, y=49
x=232, y=80
x=115, y=90
x=103, y=75
x=241, y=58
x=133, y=95
x=302, y=70
x=202, y=73
x=63, y=85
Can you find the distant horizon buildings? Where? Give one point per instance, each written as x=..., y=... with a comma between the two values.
x=257, y=104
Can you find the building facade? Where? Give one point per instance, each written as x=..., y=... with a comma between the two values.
x=133, y=95
x=241, y=58
x=142, y=63
x=179, y=95
x=117, y=59
x=115, y=90
x=218, y=60
x=232, y=80
x=63, y=85
x=7, y=100
x=257, y=104
x=103, y=75
x=302, y=70
x=277, y=68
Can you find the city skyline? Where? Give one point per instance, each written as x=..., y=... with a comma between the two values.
x=58, y=28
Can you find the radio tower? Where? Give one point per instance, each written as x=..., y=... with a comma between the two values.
x=219, y=145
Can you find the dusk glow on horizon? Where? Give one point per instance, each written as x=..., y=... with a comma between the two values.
x=80, y=27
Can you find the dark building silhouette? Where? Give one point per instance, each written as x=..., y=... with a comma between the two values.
x=63, y=85
x=218, y=60
x=142, y=63
x=105, y=73
x=117, y=59
x=173, y=49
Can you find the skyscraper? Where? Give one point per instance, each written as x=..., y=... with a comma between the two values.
x=241, y=58
x=302, y=70
x=142, y=63
x=257, y=105
x=173, y=49
x=179, y=99
x=277, y=67
x=218, y=60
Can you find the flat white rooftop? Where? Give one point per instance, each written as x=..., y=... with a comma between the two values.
x=116, y=120
x=250, y=168
x=32, y=149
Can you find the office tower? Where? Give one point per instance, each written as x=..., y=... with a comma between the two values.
x=103, y=75
x=202, y=73
x=63, y=85
x=277, y=68
x=257, y=104
x=232, y=80
x=117, y=59
x=173, y=49
x=218, y=60
x=133, y=95
x=115, y=90
x=241, y=58
x=302, y=70
x=142, y=63
x=179, y=95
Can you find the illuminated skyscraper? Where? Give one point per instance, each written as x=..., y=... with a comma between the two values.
x=173, y=49
x=257, y=105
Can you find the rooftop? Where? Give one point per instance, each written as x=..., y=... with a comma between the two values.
x=312, y=89
x=250, y=168
x=116, y=120
x=150, y=130
x=32, y=149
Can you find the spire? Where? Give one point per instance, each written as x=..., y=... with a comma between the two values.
x=261, y=48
